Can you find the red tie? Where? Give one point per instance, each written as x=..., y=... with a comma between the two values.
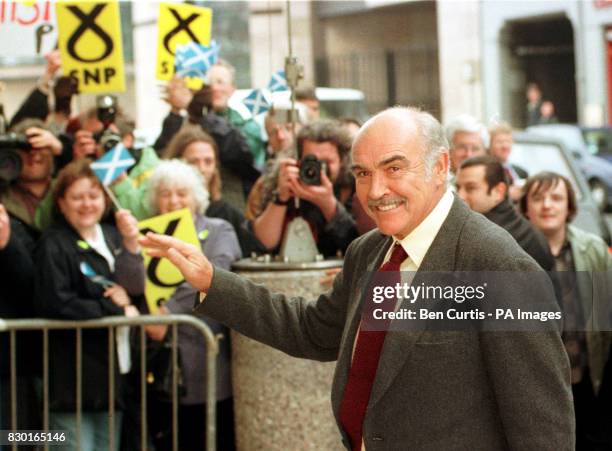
x=363, y=369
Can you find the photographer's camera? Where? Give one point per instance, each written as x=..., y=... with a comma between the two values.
x=107, y=112
x=310, y=170
x=10, y=162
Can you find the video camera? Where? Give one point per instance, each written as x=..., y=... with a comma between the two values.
x=10, y=161
x=106, y=110
x=310, y=170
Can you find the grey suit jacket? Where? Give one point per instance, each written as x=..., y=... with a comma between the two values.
x=433, y=390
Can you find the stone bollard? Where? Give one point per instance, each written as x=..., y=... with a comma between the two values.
x=281, y=402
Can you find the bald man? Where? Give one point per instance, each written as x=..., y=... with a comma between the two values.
x=400, y=389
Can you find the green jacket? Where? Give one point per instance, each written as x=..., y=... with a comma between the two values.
x=133, y=191
x=593, y=264
x=252, y=133
x=42, y=216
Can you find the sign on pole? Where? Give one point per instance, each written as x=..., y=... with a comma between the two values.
x=162, y=277
x=179, y=24
x=90, y=44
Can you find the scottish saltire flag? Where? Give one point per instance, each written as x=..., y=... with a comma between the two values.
x=114, y=162
x=194, y=60
x=257, y=102
x=278, y=82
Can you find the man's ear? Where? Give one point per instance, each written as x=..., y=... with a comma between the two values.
x=500, y=190
x=440, y=169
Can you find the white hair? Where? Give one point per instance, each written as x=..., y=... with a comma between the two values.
x=468, y=124
x=177, y=173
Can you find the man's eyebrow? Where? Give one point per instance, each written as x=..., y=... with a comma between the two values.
x=393, y=159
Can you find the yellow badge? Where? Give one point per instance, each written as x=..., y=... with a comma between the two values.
x=83, y=244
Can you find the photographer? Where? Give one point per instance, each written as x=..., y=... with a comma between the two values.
x=323, y=184
x=50, y=101
x=100, y=128
x=35, y=146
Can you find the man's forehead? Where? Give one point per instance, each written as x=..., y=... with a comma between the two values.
x=501, y=135
x=462, y=135
x=472, y=173
x=323, y=147
x=218, y=71
x=555, y=187
x=381, y=149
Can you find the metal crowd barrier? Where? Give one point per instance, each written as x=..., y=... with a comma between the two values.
x=44, y=325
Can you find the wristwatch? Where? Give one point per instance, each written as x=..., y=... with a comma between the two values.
x=276, y=200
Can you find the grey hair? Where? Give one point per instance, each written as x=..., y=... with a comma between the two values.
x=178, y=173
x=429, y=129
x=468, y=124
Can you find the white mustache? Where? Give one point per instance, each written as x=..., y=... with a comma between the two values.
x=373, y=203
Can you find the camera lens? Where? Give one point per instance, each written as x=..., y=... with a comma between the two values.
x=310, y=170
x=108, y=140
x=10, y=165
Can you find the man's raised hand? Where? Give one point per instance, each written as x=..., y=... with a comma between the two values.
x=189, y=259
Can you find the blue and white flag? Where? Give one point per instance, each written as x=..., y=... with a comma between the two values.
x=194, y=60
x=278, y=82
x=114, y=163
x=257, y=102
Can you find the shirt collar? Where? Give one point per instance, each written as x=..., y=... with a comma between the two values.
x=417, y=243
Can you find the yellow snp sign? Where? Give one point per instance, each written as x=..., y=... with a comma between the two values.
x=179, y=24
x=89, y=39
x=162, y=277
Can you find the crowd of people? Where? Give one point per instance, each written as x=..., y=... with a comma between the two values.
x=65, y=254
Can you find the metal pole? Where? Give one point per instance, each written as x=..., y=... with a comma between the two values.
x=79, y=385
x=46, y=383
x=175, y=425
x=211, y=399
x=111, y=388
x=289, y=28
x=13, y=347
x=292, y=75
x=143, y=390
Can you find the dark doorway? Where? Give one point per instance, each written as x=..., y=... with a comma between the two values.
x=539, y=50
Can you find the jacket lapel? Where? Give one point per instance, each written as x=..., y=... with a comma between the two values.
x=343, y=365
x=584, y=279
x=440, y=257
